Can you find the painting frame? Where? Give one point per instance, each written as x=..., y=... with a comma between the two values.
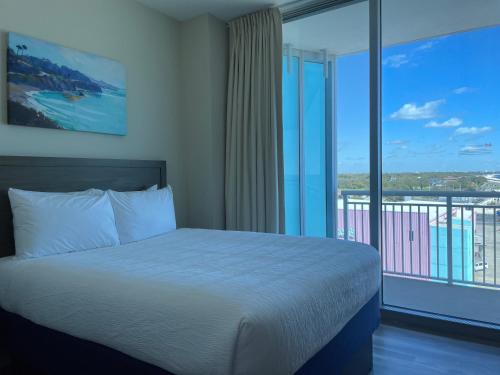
x=57, y=87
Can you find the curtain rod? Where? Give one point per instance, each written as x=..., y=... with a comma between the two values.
x=300, y=9
x=295, y=10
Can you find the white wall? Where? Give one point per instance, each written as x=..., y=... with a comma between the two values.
x=204, y=74
x=146, y=42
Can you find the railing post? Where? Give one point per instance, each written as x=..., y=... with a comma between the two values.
x=346, y=216
x=449, y=241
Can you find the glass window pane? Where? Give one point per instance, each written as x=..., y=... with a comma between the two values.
x=353, y=146
x=314, y=149
x=291, y=148
x=440, y=80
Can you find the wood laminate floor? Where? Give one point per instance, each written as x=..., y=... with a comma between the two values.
x=401, y=351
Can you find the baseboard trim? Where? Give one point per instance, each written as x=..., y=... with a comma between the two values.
x=480, y=332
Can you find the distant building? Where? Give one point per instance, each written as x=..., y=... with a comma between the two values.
x=415, y=244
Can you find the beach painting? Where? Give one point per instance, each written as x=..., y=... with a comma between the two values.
x=50, y=86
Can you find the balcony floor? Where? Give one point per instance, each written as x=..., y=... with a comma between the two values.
x=401, y=351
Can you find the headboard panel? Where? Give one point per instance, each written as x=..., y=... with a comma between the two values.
x=69, y=174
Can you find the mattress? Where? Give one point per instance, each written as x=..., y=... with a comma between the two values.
x=200, y=301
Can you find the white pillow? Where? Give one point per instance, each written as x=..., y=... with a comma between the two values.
x=53, y=223
x=143, y=214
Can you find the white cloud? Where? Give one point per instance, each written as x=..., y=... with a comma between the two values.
x=476, y=150
x=397, y=142
x=462, y=90
x=473, y=130
x=426, y=45
x=395, y=61
x=411, y=111
x=451, y=123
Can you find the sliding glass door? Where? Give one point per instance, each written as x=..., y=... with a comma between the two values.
x=439, y=228
x=441, y=212
x=326, y=123
x=304, y=124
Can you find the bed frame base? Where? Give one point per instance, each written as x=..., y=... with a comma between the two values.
x=35, y=349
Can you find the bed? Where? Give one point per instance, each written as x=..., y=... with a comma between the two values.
x=191, y=301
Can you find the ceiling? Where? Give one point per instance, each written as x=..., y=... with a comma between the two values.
x=345, y=30
x=184, y=10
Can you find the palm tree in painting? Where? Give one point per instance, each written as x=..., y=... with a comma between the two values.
x=19, y=47
x=24, y=47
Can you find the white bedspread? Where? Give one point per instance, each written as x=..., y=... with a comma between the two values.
x=200, y=301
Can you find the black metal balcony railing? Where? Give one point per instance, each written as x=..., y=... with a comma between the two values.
x=440, y=236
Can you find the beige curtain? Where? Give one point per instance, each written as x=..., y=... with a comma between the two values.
x=254, y=147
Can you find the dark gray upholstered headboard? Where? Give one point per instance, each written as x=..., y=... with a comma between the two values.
x=68, y=174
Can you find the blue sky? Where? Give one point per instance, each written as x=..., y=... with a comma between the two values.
x=440, y=105
x=96, y=67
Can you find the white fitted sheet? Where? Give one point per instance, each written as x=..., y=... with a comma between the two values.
x=200, y=301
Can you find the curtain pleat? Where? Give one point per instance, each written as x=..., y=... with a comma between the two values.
x=254, y=186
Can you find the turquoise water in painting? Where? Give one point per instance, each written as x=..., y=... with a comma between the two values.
x=102, y=113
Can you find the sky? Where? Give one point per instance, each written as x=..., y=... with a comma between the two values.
x=440, y=105
x=96, y=67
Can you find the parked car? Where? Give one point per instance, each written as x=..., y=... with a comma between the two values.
x=478, y=265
